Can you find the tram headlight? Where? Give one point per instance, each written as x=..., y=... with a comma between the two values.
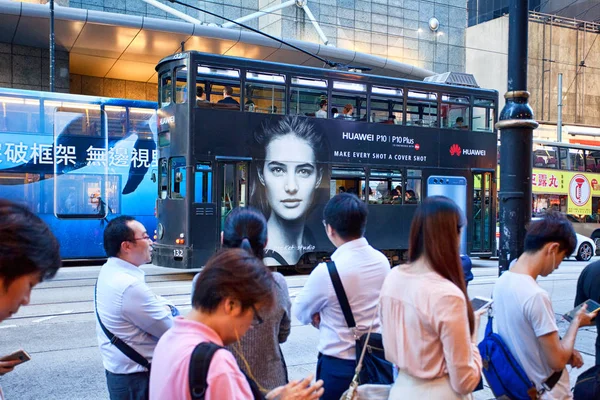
x=160, y=231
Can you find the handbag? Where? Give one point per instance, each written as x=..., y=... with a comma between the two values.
x=375, y=369
x=587, y=386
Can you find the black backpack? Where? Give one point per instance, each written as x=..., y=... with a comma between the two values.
x=587, y=386
x=199, y=365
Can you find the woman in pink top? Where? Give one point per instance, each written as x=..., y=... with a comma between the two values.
x=428, y=326
x=231, y=291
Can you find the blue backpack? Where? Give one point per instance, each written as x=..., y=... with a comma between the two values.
x=504, y=374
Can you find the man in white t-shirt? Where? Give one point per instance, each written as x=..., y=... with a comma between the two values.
x=523, y=314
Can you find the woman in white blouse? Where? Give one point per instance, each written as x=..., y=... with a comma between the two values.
x=428, y=326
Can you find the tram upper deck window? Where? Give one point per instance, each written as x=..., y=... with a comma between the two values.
x=306, y=97
x=385, y=186
x=455, y=112
x=265, y=93
x=545, y=156
x=421, y=109
x=178, y=178
x=592, y=161
x=572, y=159
x=350, y=180
x=165, y=89
x=181, y=90
x=18, y=114
x=483, y=115
x=350, y=100
x=387, y=105
x=222, y=86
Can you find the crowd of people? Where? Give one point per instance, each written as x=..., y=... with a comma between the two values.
x=228, y=345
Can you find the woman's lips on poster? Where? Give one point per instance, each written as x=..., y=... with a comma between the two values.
x=291, y=203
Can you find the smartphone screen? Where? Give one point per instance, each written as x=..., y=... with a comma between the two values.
x=479, y=302
x=591, y=306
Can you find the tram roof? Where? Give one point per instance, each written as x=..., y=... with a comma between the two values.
x=120, y=46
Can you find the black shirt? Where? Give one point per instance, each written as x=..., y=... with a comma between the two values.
x=588, y=287
x=228, y=100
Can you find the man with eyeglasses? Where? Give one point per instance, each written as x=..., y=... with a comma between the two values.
x=130, y=317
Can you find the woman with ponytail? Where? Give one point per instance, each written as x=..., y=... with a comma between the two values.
x=428, y=326
x=258, y=352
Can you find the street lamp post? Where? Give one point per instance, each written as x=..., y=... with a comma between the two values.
x=52, y=59
x=516, y=124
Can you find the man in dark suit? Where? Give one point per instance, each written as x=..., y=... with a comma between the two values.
x=227, y=99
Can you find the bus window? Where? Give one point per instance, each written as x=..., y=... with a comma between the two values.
x=116, y=121
x=577, y=160
x=421, y=109
x=165, y=89
x=385, y=186
x=387, y=105
x=178, y=178
x=591, y=161
x=483, y=115
x=203, y=183
x=163, y=183
x=181, y=94
x=19, y=115
x=413, y=192
x=455, y=112
x=351, y=103
x=350, y=180
x=265, y=93
x=87, y=196
x=544, y=156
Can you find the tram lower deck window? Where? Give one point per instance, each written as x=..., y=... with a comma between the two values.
x=347, y=180
x=178, y=178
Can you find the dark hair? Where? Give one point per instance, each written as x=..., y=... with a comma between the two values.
x=229, y=90
x=237, y=274
x=322, y=103
x=117, y=231
x=553, y=227
x=289, y=125
x=434, y=234
x=334, y=110
x=26, y=244
x=246, y=228
x=347, y=215
x=199, y=91
x=460, y=119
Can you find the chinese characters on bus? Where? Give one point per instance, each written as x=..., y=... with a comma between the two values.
x=545, y=180
x=19, y=153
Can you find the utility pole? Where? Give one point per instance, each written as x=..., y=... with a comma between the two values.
x=560, y=105
x=52, y=59
x=516, y=124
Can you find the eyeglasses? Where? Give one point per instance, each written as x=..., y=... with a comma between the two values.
x=257, y=319
x=145, y=237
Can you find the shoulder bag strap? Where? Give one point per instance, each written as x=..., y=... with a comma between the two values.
x=199, y=365
x=341, y=294
x=119, y=344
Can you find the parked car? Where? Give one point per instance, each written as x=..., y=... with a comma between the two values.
x=587, y=226
x=584, y=251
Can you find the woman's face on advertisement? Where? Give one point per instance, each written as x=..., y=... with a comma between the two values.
x=290, y=176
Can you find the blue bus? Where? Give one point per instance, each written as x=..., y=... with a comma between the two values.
x=78, y=161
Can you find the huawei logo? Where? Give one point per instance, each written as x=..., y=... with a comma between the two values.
x=455, y=150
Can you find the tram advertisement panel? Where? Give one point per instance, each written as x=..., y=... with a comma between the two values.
x=289, y=176
x=578, y=186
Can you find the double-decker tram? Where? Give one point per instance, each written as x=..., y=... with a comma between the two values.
x=77, y=162
x=285, y=139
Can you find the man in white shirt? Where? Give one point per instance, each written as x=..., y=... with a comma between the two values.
x=128, y=309
x=523, y=314
x=322, y=112
x=362, y=270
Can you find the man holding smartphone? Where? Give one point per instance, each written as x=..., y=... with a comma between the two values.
x=523, y=314
x=588, y=288
x=29, y=254
x=130, y=317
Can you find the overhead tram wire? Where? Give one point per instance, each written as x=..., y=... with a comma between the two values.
x=324, y=60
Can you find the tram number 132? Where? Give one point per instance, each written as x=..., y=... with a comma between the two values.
x=178, y=253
